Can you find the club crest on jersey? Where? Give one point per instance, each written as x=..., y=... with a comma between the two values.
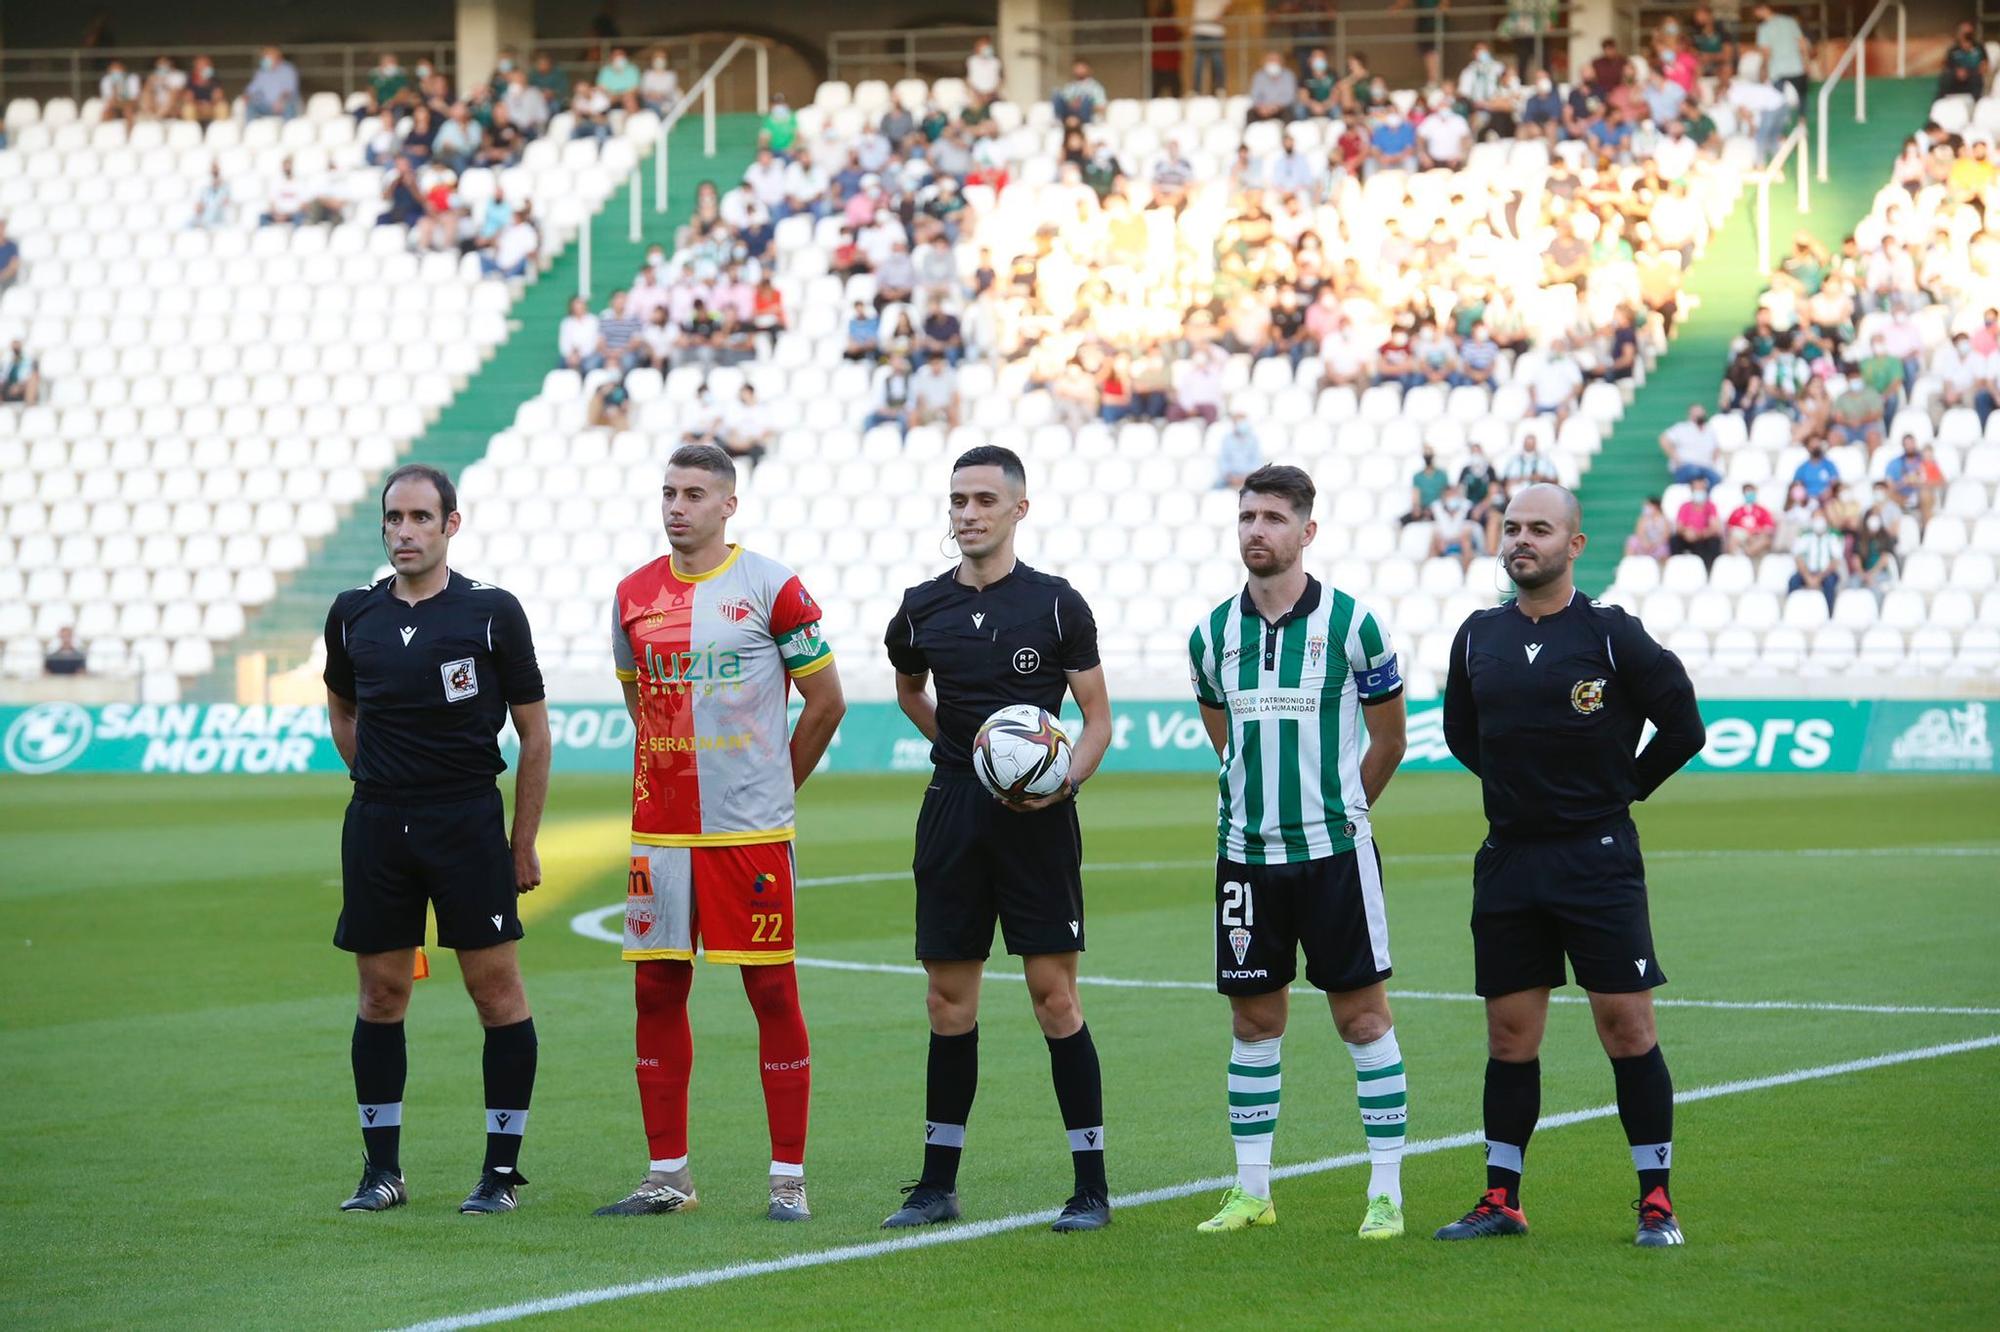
x=1587, y=696
x=735, y=609
x=1239, y=943
x=1315, y=649
x=460, y=680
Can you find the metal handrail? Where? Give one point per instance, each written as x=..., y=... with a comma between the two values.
x=1794, y=142
x=703, y=88
x=1857, y=55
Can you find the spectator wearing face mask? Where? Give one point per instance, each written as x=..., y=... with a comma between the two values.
x=274, y=89
x=1274, y=90
x=659, y=85
x=1819, y=556
x=1392, y=144
x=1871, y=550
x=1319, y=95
x=1965, y=65
x=1691, y=447
x=1081, y=98
x=1652, y=535
x=1912, y=480
x=1751, y=527
x=1698, y=525
x=618, y=79
x=1817, y=472
x=1453, y=530
x=1425, y=487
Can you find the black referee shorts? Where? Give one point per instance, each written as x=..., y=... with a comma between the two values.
x=978, y=861
x=395, y=858
x=1583, y=895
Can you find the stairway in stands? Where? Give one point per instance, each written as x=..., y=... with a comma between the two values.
x=1727, y=283
x=285, y=629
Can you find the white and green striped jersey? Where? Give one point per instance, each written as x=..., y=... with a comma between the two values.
x=1290, y=782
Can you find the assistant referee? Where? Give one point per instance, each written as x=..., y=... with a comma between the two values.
x=422, y=671
x=1545, y=701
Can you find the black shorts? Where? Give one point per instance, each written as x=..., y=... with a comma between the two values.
x=978, y=861
x=395, y=858
x=1332, y=907
x=1585, y=896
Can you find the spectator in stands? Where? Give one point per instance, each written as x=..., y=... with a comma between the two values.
x=780, y=128
x=618, y=334
x=618, y=79
x=1797, y=516
x=1392, y=143
x=1751, y=529
x=1858, y=414
x=746, y=430
x=528, y=106
x=1692, y=448
x=1151, y=382
x=864, y=333
x=274, y=89
x=457, y=139
x=417, y=140
x=549, y=80
x=390, y=87
x=659, y=337
x=211, y=204
x=384, y=142
x=119, y=91
x=1319, y=90
x=1443, y=137
x=1425, y=487
x=1557, y=381
x=1817, y=472
x=20, y=379
x=1274, y=90
x=1198, y=387
x=205, y=99
x=1205, y=26
x=942, y=335
x=659, y=85
x=609, y=406
x=1652, y=535
x=1609, y=70
x=1430, y=19
x=165, y=88
x=294, y=202
x=590, y=110
x=1871, y=551
x=1819, y=554
x=1239, y=452
x=10, y=259
x=1713, y=44
x=403, y=197
x=1910, y=478
x=1081, y=98
x=502, y=142
x=1530, y=464
x=65, y=658
x=514, y=249
x=579, y=339
x=1454, y=532
x=934, y=394
x=982, y=68
x=1785, y=50
x=1964, y=73
x=1698, y=525
x=892, y=398
x=896, y=275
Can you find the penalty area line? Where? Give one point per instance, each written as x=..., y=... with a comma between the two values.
x=596, y=924
x=959, y=1234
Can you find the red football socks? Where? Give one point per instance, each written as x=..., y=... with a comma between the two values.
x=666, y=1054
x=785, y=1055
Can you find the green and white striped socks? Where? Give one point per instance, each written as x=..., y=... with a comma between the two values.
x=1253, y=1111
x=1383, y=1094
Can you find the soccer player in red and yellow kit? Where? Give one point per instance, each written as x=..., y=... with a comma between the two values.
x=709, y=641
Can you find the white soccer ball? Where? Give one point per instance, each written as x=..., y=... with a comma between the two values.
x=1021, y=752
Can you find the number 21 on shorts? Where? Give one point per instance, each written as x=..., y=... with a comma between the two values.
x=1237, y=907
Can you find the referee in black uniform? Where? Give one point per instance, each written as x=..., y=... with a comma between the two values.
x=422, y=671
x=993, y=632
x=1545, y=702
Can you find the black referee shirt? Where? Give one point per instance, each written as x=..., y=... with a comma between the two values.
x=433, y=683
x=1548, y=715
x=1011, y=642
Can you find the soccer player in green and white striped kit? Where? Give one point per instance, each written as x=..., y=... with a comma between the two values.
x=1288, y=673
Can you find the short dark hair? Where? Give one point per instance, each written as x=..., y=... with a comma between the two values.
x=992, y=455
x=447, y=492
x=705, y=458
x=1287, y=483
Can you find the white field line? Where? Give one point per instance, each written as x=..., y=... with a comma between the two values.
x=932, y=1236
x=595, y=924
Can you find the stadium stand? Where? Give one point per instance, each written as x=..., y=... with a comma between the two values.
x=213, y=392
x=1119, y=300
x=1859, y=408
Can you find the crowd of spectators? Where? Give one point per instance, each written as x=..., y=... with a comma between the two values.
x=1860, y=354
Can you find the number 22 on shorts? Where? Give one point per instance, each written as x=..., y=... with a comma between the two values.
x=767, y=926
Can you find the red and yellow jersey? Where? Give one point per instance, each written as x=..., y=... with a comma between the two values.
x=713, y=655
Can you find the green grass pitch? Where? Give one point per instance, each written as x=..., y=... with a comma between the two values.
x=177, y=1127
